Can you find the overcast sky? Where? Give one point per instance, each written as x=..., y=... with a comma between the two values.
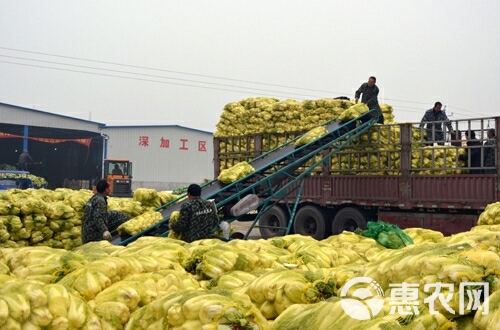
x=179, y=62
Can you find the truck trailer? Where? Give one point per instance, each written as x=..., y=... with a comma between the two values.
x=398, y=184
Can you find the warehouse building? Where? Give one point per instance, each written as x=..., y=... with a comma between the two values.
x=66, y=150
x=163, y=157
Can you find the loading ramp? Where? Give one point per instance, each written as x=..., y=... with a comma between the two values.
x=276, y=176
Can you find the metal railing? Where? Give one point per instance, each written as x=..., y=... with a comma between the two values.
x=378, y=151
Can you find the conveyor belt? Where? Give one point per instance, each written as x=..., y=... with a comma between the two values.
x=274, y=171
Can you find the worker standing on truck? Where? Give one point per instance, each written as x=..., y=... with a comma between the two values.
x=197, y=218
x=435, y=130
x=370, y=96
x=97, y=221
x=24, y=160
x=472, y=154
x=490, y=152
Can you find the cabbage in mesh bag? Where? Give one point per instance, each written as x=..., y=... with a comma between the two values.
x=353, y=112
x=311, y=136
x=235, y=173
x=388, y=235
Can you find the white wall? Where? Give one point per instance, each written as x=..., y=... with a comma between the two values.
x=163, y=157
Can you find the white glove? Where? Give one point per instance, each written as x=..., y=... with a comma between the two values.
x=226, y=229
x=106, y=235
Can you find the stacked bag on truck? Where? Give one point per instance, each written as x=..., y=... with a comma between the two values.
x=375, y=152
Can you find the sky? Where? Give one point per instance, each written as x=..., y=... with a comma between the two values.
x=166, y=62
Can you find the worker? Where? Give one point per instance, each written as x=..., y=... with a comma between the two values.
x=97, y=224
x=117, y=170
x=370, y=96
x=435, y=130
x=197, y=218
x=472, y=154
x=24, y=160
x=490, y=152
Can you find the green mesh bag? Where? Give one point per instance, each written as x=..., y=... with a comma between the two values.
x=386, y=234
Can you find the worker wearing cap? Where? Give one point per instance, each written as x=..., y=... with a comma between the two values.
x=197, y=218
x=24, y=160
x=435, y=130
x=370, y=96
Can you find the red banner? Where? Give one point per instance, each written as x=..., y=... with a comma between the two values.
x=85, y=142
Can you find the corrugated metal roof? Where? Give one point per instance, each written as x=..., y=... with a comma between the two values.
x=49, y=113
x=89, y=122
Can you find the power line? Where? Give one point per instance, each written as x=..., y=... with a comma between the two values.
x=248, y=90
x=415, y=102
x=404, y=107
x=186, y=80
x=186, y=73
x=146, y=75
x=474, y=113
x=453, y=110
x=158, y=81
x=170, y=71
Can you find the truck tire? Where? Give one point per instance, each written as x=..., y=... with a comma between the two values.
x=349, y=219
x=310, y=221
x=274, y=217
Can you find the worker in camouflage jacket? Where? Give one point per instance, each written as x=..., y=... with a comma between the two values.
x=97, y=221
x=435, y=130
x=197, y=219
x=490, y=152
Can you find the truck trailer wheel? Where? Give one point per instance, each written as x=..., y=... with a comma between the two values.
x=274, y=217
x=349, y=219
x=310, y=221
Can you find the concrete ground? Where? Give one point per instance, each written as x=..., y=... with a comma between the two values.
x=244, y=226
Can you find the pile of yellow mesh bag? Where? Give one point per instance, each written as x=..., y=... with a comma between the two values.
x=48, y=280
x=261, y=284
x=41, y=217
x=376, y=152
x=290, y=282
x=52, y=218
x=270, y=115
